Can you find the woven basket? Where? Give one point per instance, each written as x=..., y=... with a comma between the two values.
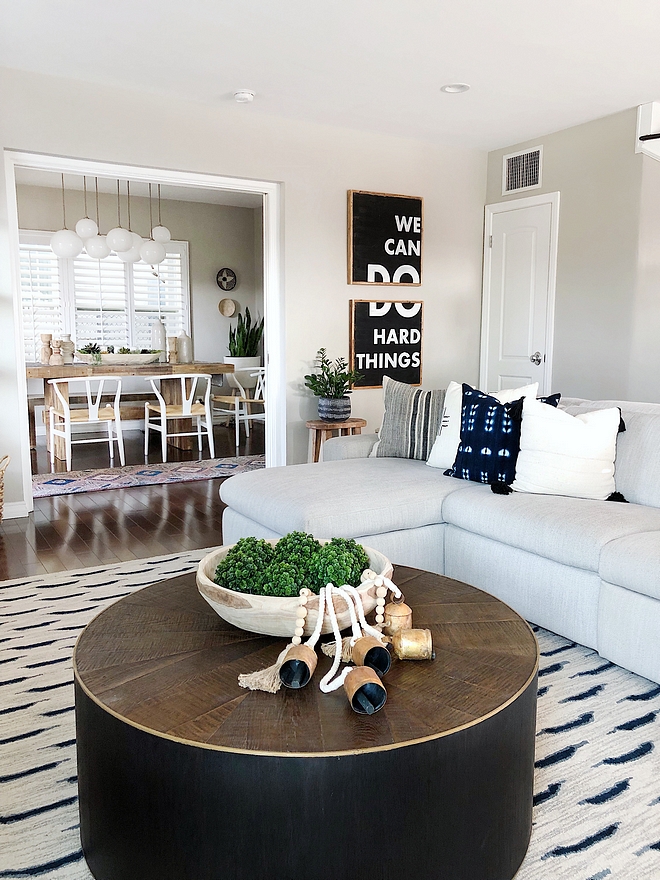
x=4, y=461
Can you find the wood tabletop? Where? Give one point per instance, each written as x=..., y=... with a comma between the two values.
x=324, y=425
x=163, y=661
x=44, y=371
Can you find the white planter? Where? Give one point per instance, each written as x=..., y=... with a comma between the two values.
x=243, y=367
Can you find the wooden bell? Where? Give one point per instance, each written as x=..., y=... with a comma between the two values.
x=398, y=616
x=369, y=651
x=298, y=666
x=413, y=644
x=364, y=690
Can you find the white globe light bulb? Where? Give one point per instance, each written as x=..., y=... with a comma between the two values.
x=119, y=239
x=97, y=247
x=161, y=234
x=132, y=255
x=66, y=243
x=86, y=228
x=152, y=252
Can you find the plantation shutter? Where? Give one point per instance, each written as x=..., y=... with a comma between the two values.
x=41, y=295
x=101, y=301
x=161, y=291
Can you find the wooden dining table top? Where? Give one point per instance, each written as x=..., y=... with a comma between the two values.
x=45, y=371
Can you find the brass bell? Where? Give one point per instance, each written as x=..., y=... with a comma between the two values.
x=298, y=667
x=369, y=651
x=364, y=690
x=413, y=644
x=398, y=616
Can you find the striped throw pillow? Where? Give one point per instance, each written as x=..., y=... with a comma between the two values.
x=410, y=422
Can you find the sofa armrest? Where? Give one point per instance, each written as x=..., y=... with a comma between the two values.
x=354, y=446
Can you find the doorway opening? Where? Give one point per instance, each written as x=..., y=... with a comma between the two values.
x=214, y=221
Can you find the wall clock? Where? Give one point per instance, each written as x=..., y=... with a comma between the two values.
x=226, y=279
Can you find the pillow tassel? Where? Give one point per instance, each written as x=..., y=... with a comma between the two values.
x=500, y=488
x=617, y=496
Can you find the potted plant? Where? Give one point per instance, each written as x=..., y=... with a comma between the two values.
x=244, y=340
x=332, y=385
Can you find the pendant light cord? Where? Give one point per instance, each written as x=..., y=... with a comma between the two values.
x=96, y=184
x=63, y=204
x=128, y=201
x=151, y=218
x=118, y=206
x=85, y=193
x=159, y=223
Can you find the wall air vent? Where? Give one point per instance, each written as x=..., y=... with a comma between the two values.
x=522, y=170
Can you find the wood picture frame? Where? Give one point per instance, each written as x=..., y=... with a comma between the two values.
x=385, y=239
x=375, y=333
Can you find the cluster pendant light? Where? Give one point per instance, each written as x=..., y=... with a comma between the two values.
x=128, y=245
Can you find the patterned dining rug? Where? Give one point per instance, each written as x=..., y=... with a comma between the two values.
x=94, y=480
x=597, y=786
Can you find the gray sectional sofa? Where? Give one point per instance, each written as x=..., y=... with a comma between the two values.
x=588, y=570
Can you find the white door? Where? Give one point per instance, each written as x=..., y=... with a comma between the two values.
x=519, y=290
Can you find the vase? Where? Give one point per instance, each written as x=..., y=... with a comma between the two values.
x=184, y=350
x=46, y=348
x=243, y=369
x=159, y=340
x=334, y=409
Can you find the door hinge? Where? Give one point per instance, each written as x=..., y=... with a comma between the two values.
x=490, y=241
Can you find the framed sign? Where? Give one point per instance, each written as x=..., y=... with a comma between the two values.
x=386, y=340
x=384, y=239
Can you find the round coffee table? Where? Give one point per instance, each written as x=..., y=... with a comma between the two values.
x=183, y=775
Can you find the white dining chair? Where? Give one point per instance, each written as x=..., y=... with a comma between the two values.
x=157, y=415
x=239, y=406
x=62, y=415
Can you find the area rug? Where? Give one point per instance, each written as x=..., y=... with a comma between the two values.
x=597, y=786
x=71, y=482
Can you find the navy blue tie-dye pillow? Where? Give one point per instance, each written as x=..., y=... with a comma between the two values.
x=490, y=438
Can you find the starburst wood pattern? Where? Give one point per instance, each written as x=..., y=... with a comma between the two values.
x=162, y=660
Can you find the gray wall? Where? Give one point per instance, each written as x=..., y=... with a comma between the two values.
x=218, y=235
x=599, y=313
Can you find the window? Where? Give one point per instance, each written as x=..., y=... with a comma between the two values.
x=102, y=301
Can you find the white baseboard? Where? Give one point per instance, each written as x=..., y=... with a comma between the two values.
x=15, y=510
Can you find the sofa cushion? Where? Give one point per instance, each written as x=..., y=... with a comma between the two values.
x=443, y=453
x=341, y=498
x=563, y=454
x=633, y=562
x=572, y=531
x=410, y=422
x=637, y=465
x=490, y=439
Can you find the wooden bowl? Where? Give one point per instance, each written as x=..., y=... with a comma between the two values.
x=275, y=615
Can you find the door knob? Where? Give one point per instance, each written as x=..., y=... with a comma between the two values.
x=536, y=358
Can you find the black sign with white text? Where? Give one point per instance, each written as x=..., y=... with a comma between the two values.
x=385, y=239
x=386, y=340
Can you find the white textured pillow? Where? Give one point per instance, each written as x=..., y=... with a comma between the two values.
x=562, y=454
x=446, y=443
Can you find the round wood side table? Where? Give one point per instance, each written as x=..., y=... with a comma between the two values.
x=183, y=775
x=322, y=431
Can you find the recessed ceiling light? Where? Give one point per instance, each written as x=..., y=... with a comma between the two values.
x=243, y=96
x=455, y=88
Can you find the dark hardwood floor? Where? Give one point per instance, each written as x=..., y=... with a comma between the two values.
x=98, y=528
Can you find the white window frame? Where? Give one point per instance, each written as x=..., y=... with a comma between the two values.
x=67, y=284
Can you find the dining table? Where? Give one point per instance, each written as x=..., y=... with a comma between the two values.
x=170, y=387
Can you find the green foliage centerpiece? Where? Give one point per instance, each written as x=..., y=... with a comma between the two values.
x=297, y=560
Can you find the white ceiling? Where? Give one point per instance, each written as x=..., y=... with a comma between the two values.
x=212, y=196
x=534, y=66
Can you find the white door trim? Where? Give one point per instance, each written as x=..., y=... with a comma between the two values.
x=274, y=332
x=499, y=208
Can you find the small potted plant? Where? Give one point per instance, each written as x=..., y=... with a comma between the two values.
x=244, y=340
x=332, y=385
